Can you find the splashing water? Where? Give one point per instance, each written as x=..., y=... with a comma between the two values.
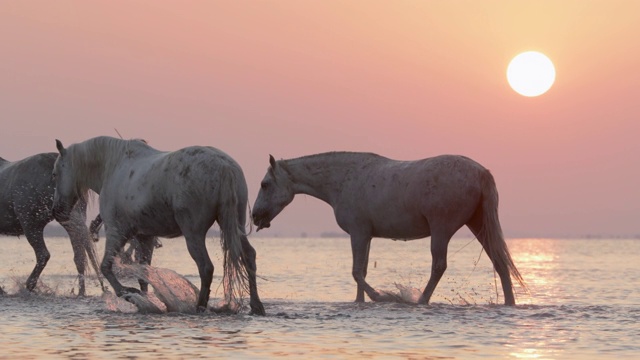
x=172, y=292
x=404, y=295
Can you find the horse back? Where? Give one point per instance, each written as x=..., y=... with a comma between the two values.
x=402, y=199
x=152, y=189
x=194, y=169
x=444, y=175
x=26, y=192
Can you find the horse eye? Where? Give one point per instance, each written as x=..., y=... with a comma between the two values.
x=264, y=185
x=53, y=176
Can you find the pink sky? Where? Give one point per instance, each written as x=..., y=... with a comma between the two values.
x=405, y=79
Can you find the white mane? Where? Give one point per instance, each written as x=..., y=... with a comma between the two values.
x=87, y=157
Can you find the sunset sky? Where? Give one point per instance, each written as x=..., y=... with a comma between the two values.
x=404, y=79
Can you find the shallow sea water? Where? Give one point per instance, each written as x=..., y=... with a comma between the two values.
x=583, y=302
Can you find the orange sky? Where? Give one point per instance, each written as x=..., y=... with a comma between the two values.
x=405, y=79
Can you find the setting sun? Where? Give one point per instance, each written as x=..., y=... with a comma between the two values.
x=531, y=73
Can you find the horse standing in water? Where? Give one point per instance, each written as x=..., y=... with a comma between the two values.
x=26, y=200
x=146, y=193
x=373, y=196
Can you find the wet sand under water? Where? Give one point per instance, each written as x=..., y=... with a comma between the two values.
x=583, y=303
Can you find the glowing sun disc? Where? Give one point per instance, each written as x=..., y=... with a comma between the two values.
x=531, y=73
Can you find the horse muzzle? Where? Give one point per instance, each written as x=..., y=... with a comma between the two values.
x=263, y=225
x=261, y=222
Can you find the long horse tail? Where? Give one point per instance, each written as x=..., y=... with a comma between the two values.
x=491, y=232
x=235, y=278
x=90, y=249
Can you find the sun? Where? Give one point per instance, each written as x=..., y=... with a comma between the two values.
x=531, y=73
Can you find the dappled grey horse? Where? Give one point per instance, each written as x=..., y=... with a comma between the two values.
x=373, y=196
x=145, y=193
x=26, y=200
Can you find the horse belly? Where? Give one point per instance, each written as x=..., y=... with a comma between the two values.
x=154, y=221
x=10, y=227
x=401, y=228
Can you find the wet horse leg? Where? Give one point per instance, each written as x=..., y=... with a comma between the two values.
x=78, y=234
x=360, y=246
x=439, y=244
x=198, y=251
x=36, y=240
x=251, y=267
x=144, y=254
x=114, y=243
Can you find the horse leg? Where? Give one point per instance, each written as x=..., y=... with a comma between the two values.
x=126, y=255
x=251, y=267
x=143, y=255
x=366, y=260
x=94, y=228
x=475, y=225
x=439, y=244
x=198, y=251
x=360, y=250
x=76, y=235
x=36, y=240
x=114, y=244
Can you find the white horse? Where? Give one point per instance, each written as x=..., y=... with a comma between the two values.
x=146, y=193
x=373, y=196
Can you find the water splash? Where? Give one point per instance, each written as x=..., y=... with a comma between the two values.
x=172, y=292
x=17, y=287
x=404, y=294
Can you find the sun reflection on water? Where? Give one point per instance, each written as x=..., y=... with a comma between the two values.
x=537, y=260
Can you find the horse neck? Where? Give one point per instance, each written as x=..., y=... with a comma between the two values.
x=96, y=159
x=321, y=176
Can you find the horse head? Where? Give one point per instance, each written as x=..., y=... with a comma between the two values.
x=276, y=192
x=66, y=195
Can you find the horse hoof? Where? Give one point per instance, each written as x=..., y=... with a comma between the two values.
x=257, y=310
x=423, y=301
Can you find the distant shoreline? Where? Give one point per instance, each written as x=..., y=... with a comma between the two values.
x=55, y=230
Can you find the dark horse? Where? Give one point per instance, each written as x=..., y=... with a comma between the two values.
x=26, y=200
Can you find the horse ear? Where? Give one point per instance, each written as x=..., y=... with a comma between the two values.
x=60, y=147
x=272, y=161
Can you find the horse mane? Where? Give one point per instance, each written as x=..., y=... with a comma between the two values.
x=338, y=154
x=335, y=156
x=102, y=152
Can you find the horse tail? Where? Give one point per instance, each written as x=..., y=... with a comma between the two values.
x=235, y=278
x=90, y=249
x=491, y=233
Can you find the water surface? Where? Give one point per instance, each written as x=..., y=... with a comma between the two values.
x=583, y=302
